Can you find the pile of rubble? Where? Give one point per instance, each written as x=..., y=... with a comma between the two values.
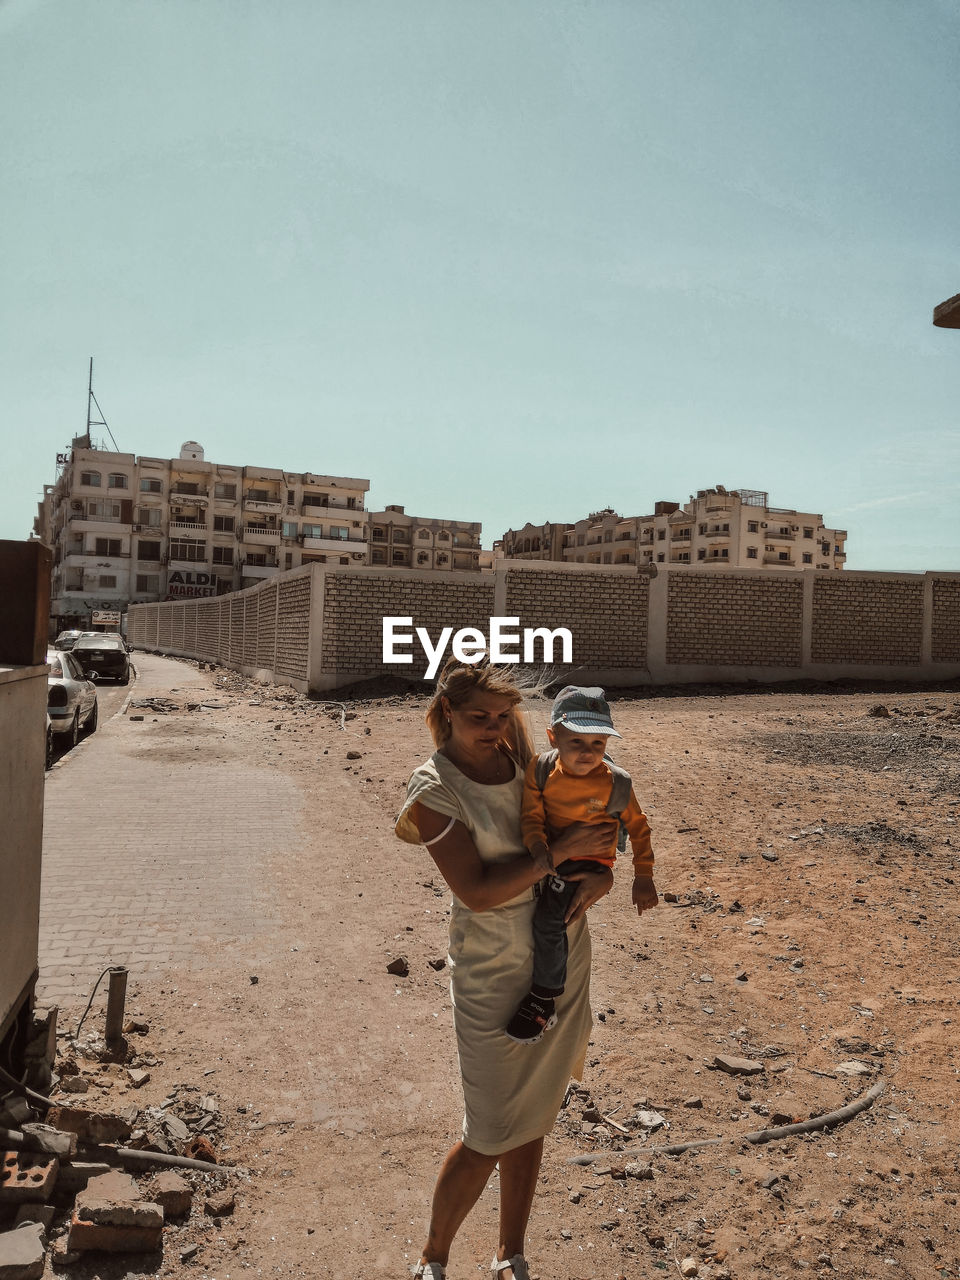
x=74, y=1179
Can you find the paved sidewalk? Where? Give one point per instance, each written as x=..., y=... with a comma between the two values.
x=147, y=861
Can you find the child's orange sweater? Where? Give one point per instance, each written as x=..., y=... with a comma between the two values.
x=567, y=798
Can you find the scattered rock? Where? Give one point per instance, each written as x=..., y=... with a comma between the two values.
x=137, y=1077
x=173, y=1193
x=880, y=711
x=693, y=1102
x=22, y=1252
x=75, y=1084
x=737, y=1066
x=769, y=856
x=399, y=967
x=638, y=1169
x=354, y=755
x=219, y=1204
x=191, y=1251
x=689, y=1267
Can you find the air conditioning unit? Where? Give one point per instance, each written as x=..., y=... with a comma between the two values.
x=300, y=538
x=358, y=555
x=76, y=505
x=136, y=528
x=763, y=525
x=794, y=528
x=356, y=524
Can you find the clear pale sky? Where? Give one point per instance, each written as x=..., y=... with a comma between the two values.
x=510, y=260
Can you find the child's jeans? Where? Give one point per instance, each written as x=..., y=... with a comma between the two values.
x=549, y=927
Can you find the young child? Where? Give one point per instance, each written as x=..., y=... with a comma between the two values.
x=576, y=784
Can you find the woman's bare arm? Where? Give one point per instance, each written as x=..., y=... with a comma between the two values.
x=479, y=885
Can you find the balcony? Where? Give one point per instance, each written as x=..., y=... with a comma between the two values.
x=681, y=535
x=258, y=570
x=773, y=558
x=198, y=525
x=260, y=537
x=774, y=535
x=345, y=546
x=715, y=535
x=264, y=507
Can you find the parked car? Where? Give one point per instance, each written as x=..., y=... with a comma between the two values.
x=67, y=639
x=71, y=698
x=114, y=635
x=103, y=657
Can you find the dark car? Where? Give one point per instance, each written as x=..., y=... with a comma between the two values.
x=103, y=658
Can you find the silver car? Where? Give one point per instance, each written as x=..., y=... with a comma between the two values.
x=71, y=697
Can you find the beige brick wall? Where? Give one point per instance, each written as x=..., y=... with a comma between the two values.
x=293, y=627
x=946, y=620
x=267, y=628
x=606, y=613
x=734, y=620
x=354, y=607
x=867, y=621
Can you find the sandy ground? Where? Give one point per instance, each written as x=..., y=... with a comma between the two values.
x=809, y=843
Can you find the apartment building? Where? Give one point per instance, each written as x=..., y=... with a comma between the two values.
x=717, y=527
x=422, y=542
x=125, y=529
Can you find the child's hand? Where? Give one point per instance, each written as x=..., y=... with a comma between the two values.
x=644, y=894
x=541, y=859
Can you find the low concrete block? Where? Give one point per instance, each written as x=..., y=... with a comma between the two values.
x=27, y=1177
x=88, y=1236
x=22, y=1253
x=89, y=1126
x=114, y=1200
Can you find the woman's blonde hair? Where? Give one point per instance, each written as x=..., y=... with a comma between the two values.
x=459, y=681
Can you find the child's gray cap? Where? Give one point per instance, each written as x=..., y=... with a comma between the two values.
x=583, y=710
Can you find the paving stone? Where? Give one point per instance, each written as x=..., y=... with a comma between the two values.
x=27, y=1177
x=22, y=1252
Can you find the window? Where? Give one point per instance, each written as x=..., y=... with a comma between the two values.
x=223, y=524
x=443, y=535
x=288, y=560
x=660, y=557
x=753, y=526
x=751, y=553
x=399, y=557
x=341, y=531
x=150, y=516
x=258, y=558
x=661, y=535
x=378, y=533
x=442, y=558
x=423, y=533
x=701, y=553
x=148, y=550
x=99, y=510
x=223, y=555
x=379, y=555
x=116, y=480
x=221, y=490
x=684, y=555
x=807, y=533
x=148, y=582
x=807, y=557
x=289, y=497
x=150, y=485
x=400, y=535
x=783, y=555
x=187, y=549
x=313, y=530
x=91, y=479
x=725, y=554
x=258, y=495
x=701, y=529
x=824, y=548
x=344, y=559
x=784, y=529
x=107, y=547
x=185, y=486
x=290, y=528
x=423, y=557
x=108, y=580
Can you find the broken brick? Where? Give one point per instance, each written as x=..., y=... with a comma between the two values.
x=172, y=1193
x=26, y=1177
x=91, y=1235
x=114, y=1200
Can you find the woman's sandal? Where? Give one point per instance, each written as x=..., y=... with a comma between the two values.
x=429, y=1271
x=519, y=1264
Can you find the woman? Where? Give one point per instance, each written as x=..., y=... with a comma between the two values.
x=464, y=805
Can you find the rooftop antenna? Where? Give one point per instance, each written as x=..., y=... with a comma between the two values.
x=96, y=422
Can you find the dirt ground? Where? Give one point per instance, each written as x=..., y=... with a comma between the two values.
x=806, y=847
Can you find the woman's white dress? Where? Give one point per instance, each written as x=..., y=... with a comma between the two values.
x=512, y=1092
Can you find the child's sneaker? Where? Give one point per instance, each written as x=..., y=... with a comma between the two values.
x=534, y=1016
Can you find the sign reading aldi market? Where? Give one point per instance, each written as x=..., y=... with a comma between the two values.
x=184, y=584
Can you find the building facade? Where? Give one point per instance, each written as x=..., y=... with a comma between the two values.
x=125, y=529
x=736, y=527
x=421, y=542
